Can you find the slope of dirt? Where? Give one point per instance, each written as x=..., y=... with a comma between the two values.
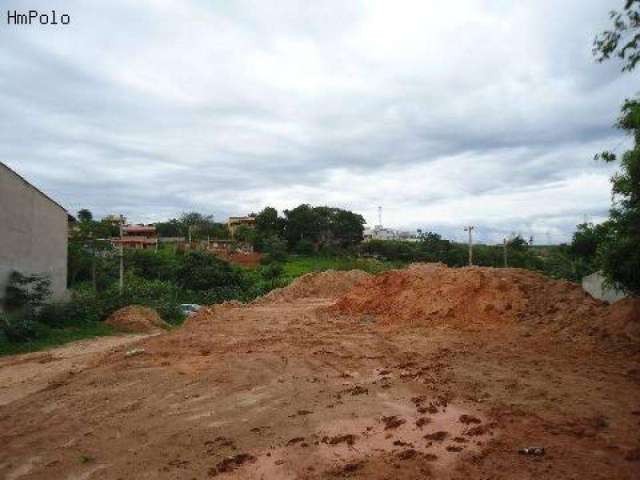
x=136, y=319
x=291, y=391
x=327, y=284
x=22, y=375
x=623, y=318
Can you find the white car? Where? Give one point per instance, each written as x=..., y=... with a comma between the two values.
x=189, y=308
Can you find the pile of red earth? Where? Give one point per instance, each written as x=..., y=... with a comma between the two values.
x=480, y=296
x=136, y=319
x=328, y=284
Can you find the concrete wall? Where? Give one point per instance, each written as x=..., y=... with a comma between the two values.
x=594, y=285
x=33, y=233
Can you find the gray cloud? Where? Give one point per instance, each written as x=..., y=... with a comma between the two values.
x=481, y=111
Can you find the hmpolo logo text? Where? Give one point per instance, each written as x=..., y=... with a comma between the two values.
x=34, y=17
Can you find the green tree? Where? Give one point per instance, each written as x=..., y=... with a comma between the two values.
x=275, y=249
x=587, y=239
x=202, y=271
x=347, y=227
x=323, y=225
x=303, y=222
x=85, y=215
x=269, y=223
x=245, y=233
x=172, y=228
x=619, y=253
x=201, y=227
x=304, y=247
x=623, y=40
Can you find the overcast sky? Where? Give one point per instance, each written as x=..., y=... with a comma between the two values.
x=444, y=113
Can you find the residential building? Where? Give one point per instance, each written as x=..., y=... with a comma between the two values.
x=33, y=233
x=234, y=222
x=379, y=232
x=138, y=236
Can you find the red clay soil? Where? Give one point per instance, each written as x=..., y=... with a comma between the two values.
x=136, y=319
x=294, y=390
x=433, y=294
x=328, y=284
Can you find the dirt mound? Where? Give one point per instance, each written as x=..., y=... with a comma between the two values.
x=328, y=284
x=435, y=293
x=136, y=319
x=623, y=318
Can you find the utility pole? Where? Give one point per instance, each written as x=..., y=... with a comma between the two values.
x=470, y=229
x=93, y=262
x=121, y=284
x=504, y=247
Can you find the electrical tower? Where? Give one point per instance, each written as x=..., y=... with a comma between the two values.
x=470, y=229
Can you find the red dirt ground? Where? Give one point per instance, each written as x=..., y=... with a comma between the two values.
x=136, y=319
x=309, y=390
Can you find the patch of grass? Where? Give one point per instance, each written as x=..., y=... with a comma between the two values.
x=53, y=337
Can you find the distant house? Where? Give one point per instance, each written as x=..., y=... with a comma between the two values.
x=33, y=233
x=234, y=222
x=379, y=232
x=138, y=236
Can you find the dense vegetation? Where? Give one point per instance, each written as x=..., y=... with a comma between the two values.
x=569, y=262
x=618, y=245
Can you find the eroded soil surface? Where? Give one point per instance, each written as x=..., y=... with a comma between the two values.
x=22, y=375
x=293, y=391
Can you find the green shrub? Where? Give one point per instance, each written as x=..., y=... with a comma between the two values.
x=26, y=290
x=304, y=247
x=203, y=271
x=271, y=271
x=274, y=249
x=153, y=265
x=83, y=307
x=18, y=326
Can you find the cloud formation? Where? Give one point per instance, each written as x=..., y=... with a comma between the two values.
x=485, y=112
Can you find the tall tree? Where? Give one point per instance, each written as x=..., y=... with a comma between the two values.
x=303, y=223
x=619, y=253
x=348, y=227
x=268, y=223
x=85, y=215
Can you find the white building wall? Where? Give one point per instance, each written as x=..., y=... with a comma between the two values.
x=33, y=233
x=594, y=285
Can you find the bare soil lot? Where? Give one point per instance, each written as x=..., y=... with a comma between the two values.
x=310, y=388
